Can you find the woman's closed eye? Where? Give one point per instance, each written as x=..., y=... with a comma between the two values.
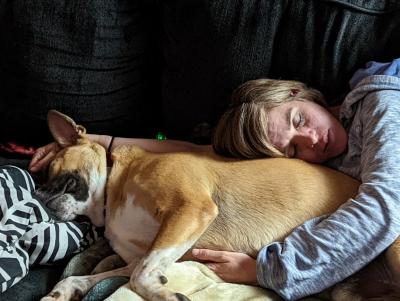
x=298, y=120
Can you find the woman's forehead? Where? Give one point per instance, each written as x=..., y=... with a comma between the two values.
x=277, y=126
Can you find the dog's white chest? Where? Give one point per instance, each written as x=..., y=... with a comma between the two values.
x=131, y=229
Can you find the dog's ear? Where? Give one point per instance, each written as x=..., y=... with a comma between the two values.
x=63, y=128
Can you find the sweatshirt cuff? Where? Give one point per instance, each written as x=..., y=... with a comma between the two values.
x=265, y=262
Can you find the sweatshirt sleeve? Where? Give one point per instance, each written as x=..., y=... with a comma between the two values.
x=376, y=68
x=324, y=251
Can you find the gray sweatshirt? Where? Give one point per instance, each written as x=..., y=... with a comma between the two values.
x=327, y=249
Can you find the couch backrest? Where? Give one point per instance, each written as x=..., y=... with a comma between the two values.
x=131, y=67
x=92, y=60
x=211, y=46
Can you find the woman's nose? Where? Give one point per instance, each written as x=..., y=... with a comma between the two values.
x=307, y=138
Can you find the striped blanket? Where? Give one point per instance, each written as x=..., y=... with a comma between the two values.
x=28, y=234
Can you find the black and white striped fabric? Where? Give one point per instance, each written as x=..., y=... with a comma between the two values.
x=28, y=234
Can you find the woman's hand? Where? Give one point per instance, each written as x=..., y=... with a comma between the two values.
x=43, y=156
x=229, y=266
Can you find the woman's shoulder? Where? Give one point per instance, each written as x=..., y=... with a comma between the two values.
x=376, y=68
x=381, y=103
x=377, y=94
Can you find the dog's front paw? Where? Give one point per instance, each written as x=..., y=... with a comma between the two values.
x=55, y=295
x=150, y=286
x=70, y=289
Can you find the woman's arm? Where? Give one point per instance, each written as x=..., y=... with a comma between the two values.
x=151, y=145
x=43, y=155
x=324, y=251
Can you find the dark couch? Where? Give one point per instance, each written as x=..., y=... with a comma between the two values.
x=133, y=68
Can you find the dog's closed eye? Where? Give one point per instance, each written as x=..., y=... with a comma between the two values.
x=71, y=185
x=70, y=182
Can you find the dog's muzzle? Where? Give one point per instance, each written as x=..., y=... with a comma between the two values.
x=63, y=193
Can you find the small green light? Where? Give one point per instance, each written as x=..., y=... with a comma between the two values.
x=161, y=136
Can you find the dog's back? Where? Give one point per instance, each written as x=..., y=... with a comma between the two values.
x=259, y=201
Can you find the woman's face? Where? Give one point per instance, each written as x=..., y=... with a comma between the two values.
x=306, y=130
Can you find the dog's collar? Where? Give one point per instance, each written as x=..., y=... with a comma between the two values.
x=109, y=160
x=109, y=166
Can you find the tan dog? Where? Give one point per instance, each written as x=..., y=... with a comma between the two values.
x=159, y=206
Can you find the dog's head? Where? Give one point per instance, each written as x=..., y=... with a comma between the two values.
x=77, y=175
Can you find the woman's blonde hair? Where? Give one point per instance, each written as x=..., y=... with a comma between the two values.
x=242, y=130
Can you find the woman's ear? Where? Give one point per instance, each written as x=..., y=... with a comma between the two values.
x=63, y=128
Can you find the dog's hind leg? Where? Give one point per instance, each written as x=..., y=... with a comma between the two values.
x=375, y=282
x=393, y=259
x=109, y=263
x=180, y=229
x=74, y=288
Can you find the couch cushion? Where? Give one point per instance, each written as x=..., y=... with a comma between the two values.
x=93, y=60
x=211, y=46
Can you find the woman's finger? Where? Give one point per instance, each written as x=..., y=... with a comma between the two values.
x=37, y=156
x=209, y=255
x=43, y=162
x=222, y=271
x=216, y=267
x=41, y=152
x=42, y=157
x=46, y=160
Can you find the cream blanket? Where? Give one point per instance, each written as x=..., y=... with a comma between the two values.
x=198, y=283
x=190, y=278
